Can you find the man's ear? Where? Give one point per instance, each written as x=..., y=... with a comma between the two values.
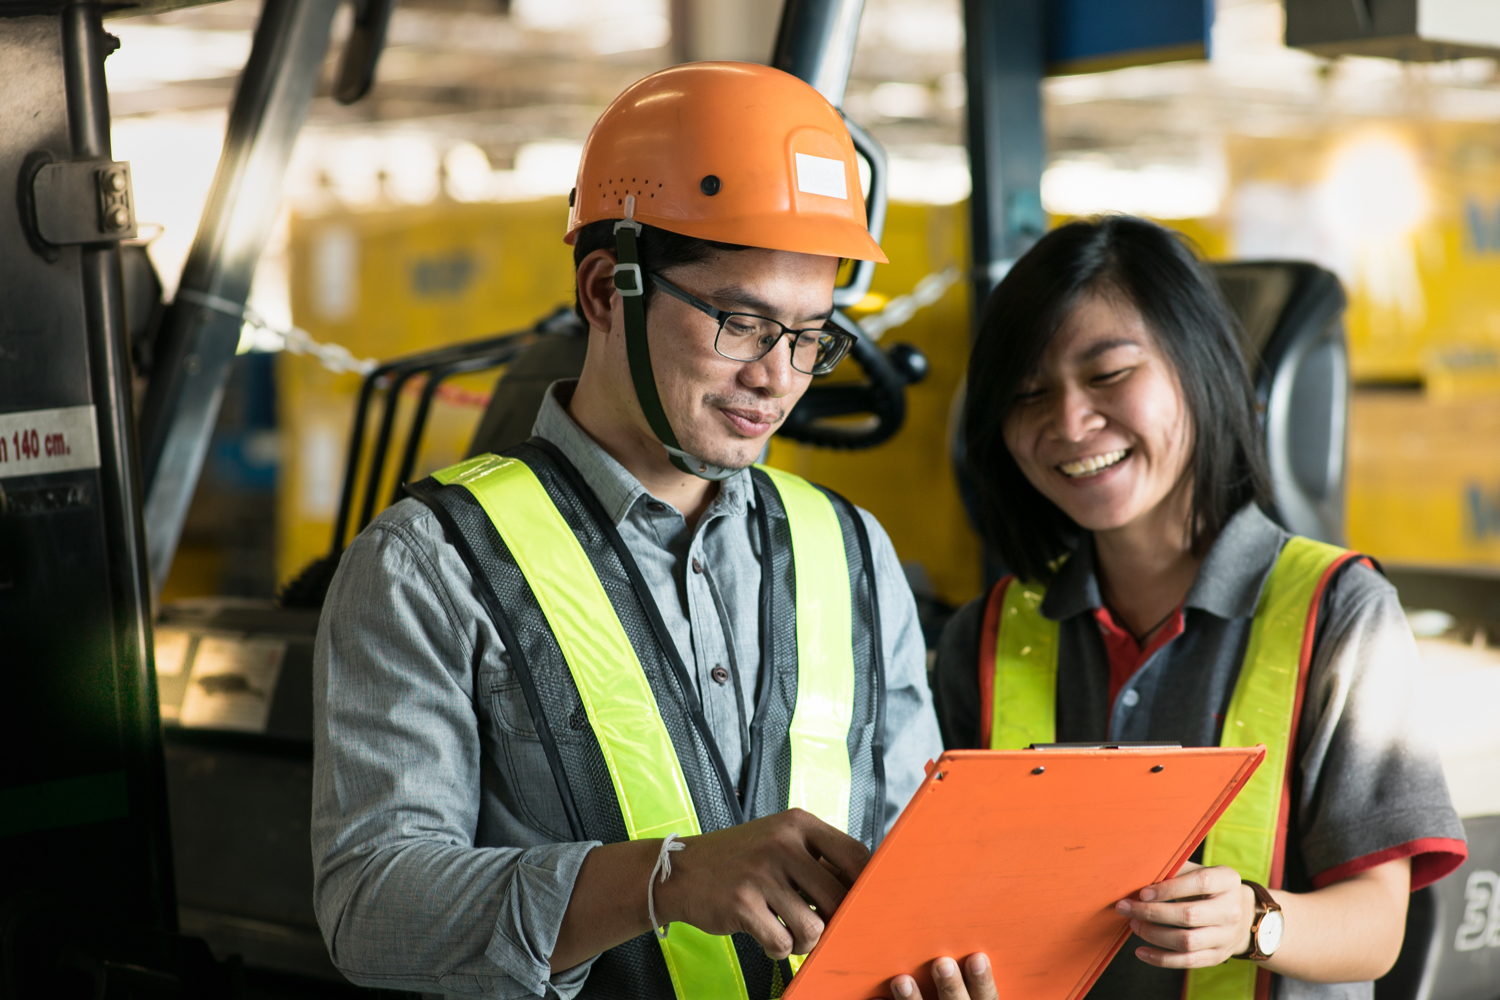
x=596, y=289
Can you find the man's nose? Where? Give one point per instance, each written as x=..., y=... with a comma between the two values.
x=772, y=374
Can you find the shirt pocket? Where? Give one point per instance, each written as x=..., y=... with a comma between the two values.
x=512, y=713
x=528, y=788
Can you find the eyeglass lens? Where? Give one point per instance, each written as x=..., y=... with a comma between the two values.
x=743, y=337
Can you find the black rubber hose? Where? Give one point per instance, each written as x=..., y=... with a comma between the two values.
x=882, y=395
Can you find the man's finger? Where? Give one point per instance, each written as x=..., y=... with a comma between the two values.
x=949, y=980
x=760, y=923
x=837, y=847
x=822, y=888
x=845, y=879
x=980, y=977
x=903, y=988
x=804, y=925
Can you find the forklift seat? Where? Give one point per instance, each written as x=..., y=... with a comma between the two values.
x=1292, y=329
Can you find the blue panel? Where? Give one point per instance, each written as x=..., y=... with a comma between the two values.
x=1106, y=33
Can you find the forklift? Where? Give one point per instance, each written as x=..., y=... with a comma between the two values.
x=143, y=861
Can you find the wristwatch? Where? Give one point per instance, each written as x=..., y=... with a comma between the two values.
x=1268, y=926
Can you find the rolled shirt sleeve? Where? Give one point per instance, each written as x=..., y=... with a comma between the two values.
x=405, y=898
x=1371, y=783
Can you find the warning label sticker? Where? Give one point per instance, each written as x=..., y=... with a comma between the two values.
x=821, y=175
x=41, y=441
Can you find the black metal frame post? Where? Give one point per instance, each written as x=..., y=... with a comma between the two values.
x=83, y=820
x=197, y=344
x=120, y=493
x=1005, y=58
x=815, y=42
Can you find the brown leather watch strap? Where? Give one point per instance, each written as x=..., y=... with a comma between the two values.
x=1264, y=903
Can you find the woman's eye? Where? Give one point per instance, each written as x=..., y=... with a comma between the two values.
x=1109, y=378
x=1030, y=395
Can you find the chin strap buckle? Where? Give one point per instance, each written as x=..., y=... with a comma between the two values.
x=699, y=467
x=628, y=280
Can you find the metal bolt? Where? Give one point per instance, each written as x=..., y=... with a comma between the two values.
x=1158, y=769
x=1038, y=769
x=114, y=181
x=119, y=218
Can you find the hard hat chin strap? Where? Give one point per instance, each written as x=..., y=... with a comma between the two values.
x=631, y=284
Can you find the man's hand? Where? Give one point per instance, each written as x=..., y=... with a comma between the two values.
x=745, y=877
x=977, y=982
x=1200, y=917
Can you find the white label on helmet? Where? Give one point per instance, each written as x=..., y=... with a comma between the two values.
x=820, y=175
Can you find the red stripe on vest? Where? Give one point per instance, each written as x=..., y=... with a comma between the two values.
x=1304, y=667
x=989, y=634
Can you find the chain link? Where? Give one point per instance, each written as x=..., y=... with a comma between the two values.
x=335, y=357
x=903, y=307
x=339, y=359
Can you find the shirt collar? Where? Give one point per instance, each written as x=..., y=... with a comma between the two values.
x=618, y=491
x=1228, y=584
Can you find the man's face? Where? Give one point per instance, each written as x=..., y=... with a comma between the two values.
x=724, y=411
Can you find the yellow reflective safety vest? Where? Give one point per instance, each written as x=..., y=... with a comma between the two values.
x=617, y=712
x=1018, y=696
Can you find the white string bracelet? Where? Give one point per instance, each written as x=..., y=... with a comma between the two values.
x=669, y=844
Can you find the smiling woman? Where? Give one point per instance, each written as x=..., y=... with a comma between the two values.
x=1113, y=439
x=1118, y=308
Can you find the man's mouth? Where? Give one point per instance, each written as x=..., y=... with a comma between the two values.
x=1082, y=468
x=751, y=423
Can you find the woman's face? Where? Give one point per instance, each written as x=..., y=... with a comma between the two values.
x=1101, y=428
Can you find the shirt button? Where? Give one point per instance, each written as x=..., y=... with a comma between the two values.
x=697, y=566
x=656, y=507
x=719, y=674
x=1130, y=698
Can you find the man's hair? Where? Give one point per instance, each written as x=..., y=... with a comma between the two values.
x=1153, y=269
x=658, y=250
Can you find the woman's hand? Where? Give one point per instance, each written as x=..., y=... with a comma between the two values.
x=976, y=982
x=1200, y=917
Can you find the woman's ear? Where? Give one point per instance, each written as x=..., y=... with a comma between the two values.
x=596, y=289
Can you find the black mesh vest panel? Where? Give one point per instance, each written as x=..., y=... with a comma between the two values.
x=636, y=970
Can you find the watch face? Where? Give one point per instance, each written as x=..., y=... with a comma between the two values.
x=1268, y=935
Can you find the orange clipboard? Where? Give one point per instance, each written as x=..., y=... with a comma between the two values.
x=1021, y=854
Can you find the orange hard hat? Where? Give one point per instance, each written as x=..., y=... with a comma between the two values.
x=731, y=152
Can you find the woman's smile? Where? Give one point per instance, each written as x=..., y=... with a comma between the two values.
x=1092, y=466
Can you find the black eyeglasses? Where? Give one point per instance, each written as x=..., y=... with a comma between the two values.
x=748, y=337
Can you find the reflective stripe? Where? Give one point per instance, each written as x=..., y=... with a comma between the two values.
x=648, y=779
x=825, y=654
x=1263, y=710
x=1024, y=709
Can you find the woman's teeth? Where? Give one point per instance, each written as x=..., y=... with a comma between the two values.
x=1094, y=464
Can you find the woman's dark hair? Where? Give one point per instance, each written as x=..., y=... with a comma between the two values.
x=658, y=250
x=1154, y=270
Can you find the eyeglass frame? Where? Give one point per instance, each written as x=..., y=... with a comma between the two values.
x=722, y=316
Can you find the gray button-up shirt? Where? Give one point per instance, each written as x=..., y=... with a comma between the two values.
x=440, y=845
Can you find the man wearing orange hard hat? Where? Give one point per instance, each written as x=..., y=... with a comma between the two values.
x=616, y=713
